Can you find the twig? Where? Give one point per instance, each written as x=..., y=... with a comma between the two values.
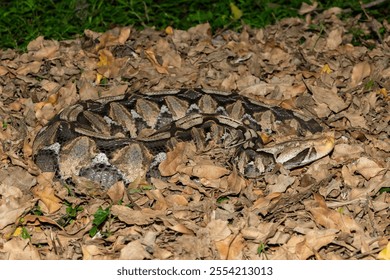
x=373, y=3
x=366, y=6
x=373, y=22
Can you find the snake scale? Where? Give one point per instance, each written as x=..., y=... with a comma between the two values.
x=124, y=137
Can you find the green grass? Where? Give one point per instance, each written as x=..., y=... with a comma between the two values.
x=23, y=20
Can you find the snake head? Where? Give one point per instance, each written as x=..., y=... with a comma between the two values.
x=300, y=152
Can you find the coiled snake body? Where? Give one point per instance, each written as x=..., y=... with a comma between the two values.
x=123, y=137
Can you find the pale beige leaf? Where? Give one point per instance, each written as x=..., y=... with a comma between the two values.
x=360, y=71
x=314, y=240
x=209, y=171
x=135, y=217
x=47, y=195
x=366, y=167
x=218, y=230
x=334, y=38
x=175, y=158
x=329, y=97
x=331, y=219
x=19, y=249
x=134, y=251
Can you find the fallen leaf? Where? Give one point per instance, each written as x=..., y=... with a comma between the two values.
x=134, y=251
x=152, y=58
x=359, y=72
x=335, y=38
x=366, y=167
x=329, y=97
x=19, y=249
x=385, y=253
x=236, y=12
x=135, y=217
x=331, y=219
x=47, y=195
x=176, y=157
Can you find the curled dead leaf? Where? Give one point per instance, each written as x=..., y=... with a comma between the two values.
x=47, y=195
x=366, y=167
x=231, y=247
x=176, y=157
x=335, y=38
x=135, y=217
x=209, y=171
x=134, y=251
x=331, y=219
x=182, y=229
x=152, y=58
x=359, y=72
x=329, y=97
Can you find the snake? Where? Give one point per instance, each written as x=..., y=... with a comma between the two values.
x=121, y=138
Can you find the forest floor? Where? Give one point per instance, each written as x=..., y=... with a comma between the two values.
x=334, y=208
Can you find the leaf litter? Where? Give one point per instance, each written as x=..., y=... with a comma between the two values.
x=335, y=208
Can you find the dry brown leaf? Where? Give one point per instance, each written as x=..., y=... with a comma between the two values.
x=152, y=58
x=329, y=97
x=209, y=172
x=135, y=217
x=108, y=65
x=349, y=179
x=134, y=251
x=37, y=220
x=28, y=68
x=335, y=38
x=356, y=118
x=161, y=204
x=235, y=183
x=306, y=8
x=262, y=204
x=359, y=72
x=177, y=157
x=87, y=90
x=113, y=37
x=331, y=219
x=47, y=195
x=3, y=70
x=230, y=248
x=116, y=192
x=314, y=240
x=176, y=200
x=288, y=250
x=345, y=152
x=218, y=230
x=279, y=182
x=181, y=228
x=11, y=210
x=15, y=177
x=366, y=167
x=91, y=252
x=19, y=249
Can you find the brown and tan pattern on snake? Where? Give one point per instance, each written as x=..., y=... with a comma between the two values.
x=124, y=137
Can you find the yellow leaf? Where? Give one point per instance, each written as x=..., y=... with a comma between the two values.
x=237, y=13
x=385, y=253
x=326, y=69
x=99, y=77
x=169, y=30
x=103, y=59
x=17, y=232
x=383, y=91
